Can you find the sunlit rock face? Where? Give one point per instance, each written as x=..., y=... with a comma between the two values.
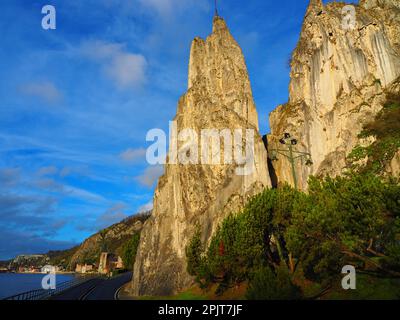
x=195, y=196
x=339, y=79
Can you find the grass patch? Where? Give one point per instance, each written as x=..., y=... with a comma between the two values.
x=368, y=288
x=190, y=294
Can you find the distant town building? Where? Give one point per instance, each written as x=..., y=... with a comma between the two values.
x=84, y=268
x=21, y=269
x=3, y=270
x=88, y=268
x=119, y=264
x=78, y=268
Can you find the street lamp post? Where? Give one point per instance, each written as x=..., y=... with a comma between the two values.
x=291, y=154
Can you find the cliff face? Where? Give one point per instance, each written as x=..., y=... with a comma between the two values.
x=195, y=196
x=339, y=79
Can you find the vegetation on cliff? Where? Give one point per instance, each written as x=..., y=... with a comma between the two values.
x=129, y=251
x=286, y=240
x=385, y=128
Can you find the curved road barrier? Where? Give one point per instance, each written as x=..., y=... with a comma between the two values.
x=42, y=294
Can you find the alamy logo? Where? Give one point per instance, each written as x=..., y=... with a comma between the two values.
x=349, y=281
x=49, y=20
x=349, y=17
x=189, y=147
x=49, y=280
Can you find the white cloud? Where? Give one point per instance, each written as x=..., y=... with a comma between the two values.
x=131, y=155
x=50, y=185
x=45, y=90
x=146, y=207
x=74, y=170
x=127, y=70
x=111, y=216
x=99, y=50
x=124, y=68
x=83, y=194
x=150, y=176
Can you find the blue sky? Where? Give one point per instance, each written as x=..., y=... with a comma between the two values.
x=76, y=103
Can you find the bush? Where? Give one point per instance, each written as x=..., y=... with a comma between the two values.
x=268, y=285
x=196, y=265
x=346, y=220
x=243, y=239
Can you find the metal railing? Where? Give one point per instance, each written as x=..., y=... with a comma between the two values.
x=42, y=294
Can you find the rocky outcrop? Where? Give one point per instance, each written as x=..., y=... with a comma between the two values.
x=394, y=166
x=192, y=196
x=339, y=79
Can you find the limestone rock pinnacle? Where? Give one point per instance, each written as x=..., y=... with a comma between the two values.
x=219, y=24
x=195, y=196
x=315, y=6
x=218, y=65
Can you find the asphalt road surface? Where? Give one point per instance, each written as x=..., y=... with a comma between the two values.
x=96, y=289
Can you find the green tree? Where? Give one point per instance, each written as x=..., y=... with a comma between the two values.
x=342, y=220
x=129, y=251
x=103, y=240
x=354, y=219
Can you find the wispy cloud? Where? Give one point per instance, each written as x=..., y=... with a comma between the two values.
x=124, y=68
x=132, y=155
x=28, y=243
x=83, y=194
x=110, y=216
x=74, y=170
x=32, y=213
x=150, y=176
x=162, y=7
x=47, y=171
x=46, y=91
x=50, y=185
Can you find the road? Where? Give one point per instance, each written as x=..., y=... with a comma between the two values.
x=96, y=289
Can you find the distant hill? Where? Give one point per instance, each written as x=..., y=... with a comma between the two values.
x=4, y=264
x=32, y=260
x=110, y=239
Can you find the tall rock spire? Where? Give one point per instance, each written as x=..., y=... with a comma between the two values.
x=314, y=7
x=193, y=196
x=218, y=65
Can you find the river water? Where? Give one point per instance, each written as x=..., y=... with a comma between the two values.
x=15, y=283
